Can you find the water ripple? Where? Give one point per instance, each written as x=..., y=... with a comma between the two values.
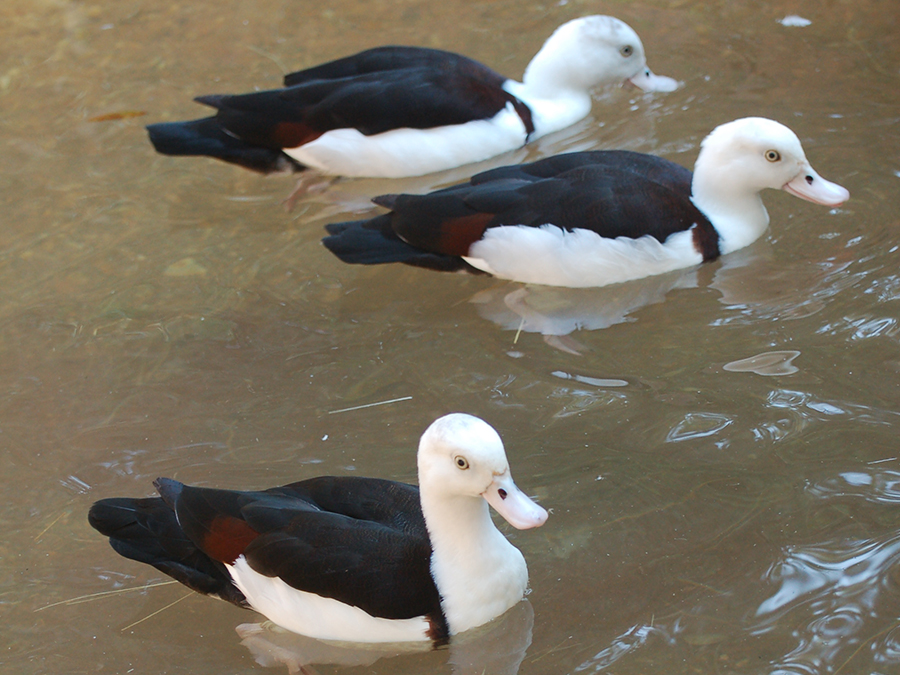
x=862, y=328
x=811, y=289
x=698, y=425
x=810, y=408
x=879, y=487
x=842, y=584
x=890, y=648
x=632, y=639
x=886, y=288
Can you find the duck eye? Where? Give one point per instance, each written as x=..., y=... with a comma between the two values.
x=461, y=462
x=627, y=50
x=773, y=155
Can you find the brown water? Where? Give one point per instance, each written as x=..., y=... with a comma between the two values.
x=165, y=316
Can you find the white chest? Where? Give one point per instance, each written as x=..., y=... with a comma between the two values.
x=479, y=583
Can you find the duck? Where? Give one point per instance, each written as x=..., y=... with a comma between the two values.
x=587, y=219
x=349, y=558
x=400, y=111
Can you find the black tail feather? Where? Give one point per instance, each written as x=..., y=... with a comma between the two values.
x=212, y=100
x=147, y=530
x=373, y=242
x=206, y=138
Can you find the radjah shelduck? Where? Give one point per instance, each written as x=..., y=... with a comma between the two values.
x=594, y=218
x=348, y=558
x=408, y=111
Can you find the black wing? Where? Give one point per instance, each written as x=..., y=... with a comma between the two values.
x=418, y=93
x=358, y=540
x=383, y=571
x=378, y=60
x=613, y=193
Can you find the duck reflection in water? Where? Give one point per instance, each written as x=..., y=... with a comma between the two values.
x=555, y=312
x=748, y=281
x=497, y=647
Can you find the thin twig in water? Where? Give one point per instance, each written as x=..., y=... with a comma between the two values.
x=519, y=331
x=863, y=644
x=163, y=609
x=699, y=584
x=55, y=520
x=278, y=62
x=369, y=405
x=87, y=598
x=553, y=650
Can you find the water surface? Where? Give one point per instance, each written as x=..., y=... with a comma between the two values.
x=165, y=316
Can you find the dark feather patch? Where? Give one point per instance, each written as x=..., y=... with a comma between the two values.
x=456, y=235
x=438, y=630
x=294, y=134
x=706, y=240
x=226, y=538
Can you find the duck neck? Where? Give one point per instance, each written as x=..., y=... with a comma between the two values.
x=736, y=211
x=553, y=105
x=557, y=71
x=478, y=573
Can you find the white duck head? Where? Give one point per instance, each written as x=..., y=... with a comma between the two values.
x=741, y=158
x=462, y=456
x=588, y=52
x=462, y=469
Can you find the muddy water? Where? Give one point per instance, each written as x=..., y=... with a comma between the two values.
x=712, y=512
